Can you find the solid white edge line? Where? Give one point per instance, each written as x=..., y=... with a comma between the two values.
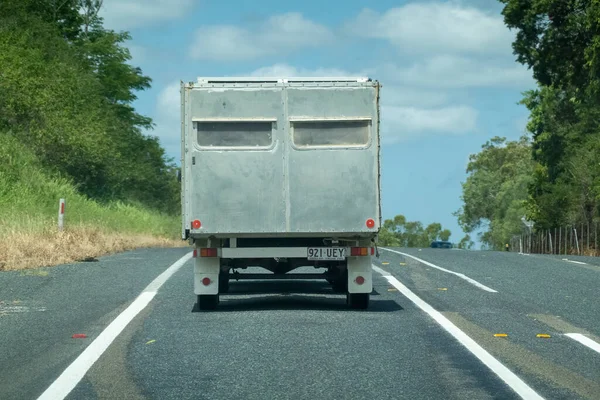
x=574, y=262
x=512, y=380
x=71, y=376
x=586, y=341
x=462, y=276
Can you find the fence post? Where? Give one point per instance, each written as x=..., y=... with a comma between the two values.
x=596, y=238
x=61, y=214
x=521, y=244
x=588, y=236
x=550, y=242
x=577, y=241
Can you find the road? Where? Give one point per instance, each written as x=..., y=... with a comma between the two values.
x=303, y=343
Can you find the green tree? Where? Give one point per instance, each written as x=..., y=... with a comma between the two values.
x=495, y=191
x=398, y=232
x=466, y=243
x=67, y=92
x=560, y=41
x=445, y=235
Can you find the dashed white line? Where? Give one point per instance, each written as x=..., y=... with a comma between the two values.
x=512, y=380
x=584, y=341
x=462, y=276
x=71, y=376
x=574, y=262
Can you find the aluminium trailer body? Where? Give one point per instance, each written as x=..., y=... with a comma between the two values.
x=281, y=174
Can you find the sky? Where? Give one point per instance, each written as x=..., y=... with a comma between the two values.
x=450, y=79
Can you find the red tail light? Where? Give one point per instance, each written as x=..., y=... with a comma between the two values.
x=359, y=280
x=195, y=253
x=206, y=281
x=361, y=251
x=206, y=252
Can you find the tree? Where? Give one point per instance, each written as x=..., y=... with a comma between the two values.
x=445, y=235
x=560, y=41
x=466, y=243
x=67, y=92
x=495, y=192
x=398, y=232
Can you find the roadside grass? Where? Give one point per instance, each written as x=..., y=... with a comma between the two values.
x=29, y=198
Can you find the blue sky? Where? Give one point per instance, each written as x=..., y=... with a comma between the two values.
x=449, y=77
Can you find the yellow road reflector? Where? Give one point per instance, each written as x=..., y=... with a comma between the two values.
x=402, y=263
x=543, y=335
x=150, y=341
x=385, y=263
x=500, y=335
x=442, y=288
x=392, y=290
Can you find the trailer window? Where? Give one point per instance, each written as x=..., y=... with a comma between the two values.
x=330, y=133
x=235, y=133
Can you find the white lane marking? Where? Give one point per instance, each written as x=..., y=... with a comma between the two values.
x=18, y=309
x=462, y=276
x=512, y=380
x=586, y=341
x=574, y=262
x=71, y=376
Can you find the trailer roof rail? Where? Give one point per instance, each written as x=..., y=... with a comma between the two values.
x=205, y=80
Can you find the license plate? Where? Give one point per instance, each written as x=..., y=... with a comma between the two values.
x=326, y=253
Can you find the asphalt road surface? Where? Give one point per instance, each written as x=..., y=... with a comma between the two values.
x=429, y=333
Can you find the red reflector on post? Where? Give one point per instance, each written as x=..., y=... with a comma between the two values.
x=359, y=280
x=206, y=281
x=196, y=224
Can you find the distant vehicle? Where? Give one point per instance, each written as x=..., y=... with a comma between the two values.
x=281, y=174
x=438, y=244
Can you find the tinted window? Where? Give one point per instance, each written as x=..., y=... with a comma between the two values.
x=330, y=133
x=235, y=134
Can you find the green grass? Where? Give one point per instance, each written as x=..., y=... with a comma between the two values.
x=29, y=198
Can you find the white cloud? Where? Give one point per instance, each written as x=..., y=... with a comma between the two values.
x=128, y=14
x=280, y=34
x=168, y=124
x=450, y=71
x=436, y=26
x=403, y=96
x=399, y=123
x=285, y=70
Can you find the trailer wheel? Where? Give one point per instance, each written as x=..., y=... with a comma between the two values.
x=358, y=301
x=208, y=301
x=224, y=282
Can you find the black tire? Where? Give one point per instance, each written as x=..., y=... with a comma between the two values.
x=358, y=301
x=224, y=282
x=208, y=301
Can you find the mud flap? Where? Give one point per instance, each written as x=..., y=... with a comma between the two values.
x=206, y=268
x=360, y=267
